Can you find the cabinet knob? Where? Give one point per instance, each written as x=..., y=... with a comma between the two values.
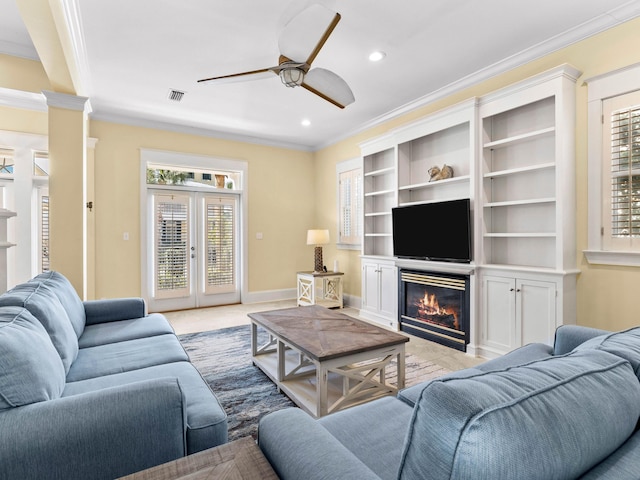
x=512, y=289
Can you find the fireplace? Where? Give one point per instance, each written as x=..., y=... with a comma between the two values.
x=435, y=306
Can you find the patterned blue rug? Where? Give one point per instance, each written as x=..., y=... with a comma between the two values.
x=223, y=357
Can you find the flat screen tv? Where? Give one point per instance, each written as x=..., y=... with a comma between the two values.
x=438, y=231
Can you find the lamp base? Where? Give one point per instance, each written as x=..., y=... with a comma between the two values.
x=319, y=267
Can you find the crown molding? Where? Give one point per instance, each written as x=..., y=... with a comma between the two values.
x=17, y=50
x=24, y=100
x=67, y=101
x=139, y=120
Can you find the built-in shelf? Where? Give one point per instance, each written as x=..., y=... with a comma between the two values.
x=516, y=139
x=519, y=235
x=437, y=184
x=377, y=214
x=382, y=171
x=515, y=171
x=378, y=192
x=530, y=201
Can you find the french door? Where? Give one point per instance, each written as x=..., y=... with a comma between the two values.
x=194, y=243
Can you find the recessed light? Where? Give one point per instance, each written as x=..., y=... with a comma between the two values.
x=306, y=122
x=377, y=56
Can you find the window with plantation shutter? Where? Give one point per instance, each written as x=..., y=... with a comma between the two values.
x=621, y=173
x=349, y=205
x=172, y=246
x=220, y=244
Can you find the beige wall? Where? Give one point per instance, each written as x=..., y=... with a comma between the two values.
x=291, y=191
x=281, y=205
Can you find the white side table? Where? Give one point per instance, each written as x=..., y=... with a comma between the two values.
x=320, y=289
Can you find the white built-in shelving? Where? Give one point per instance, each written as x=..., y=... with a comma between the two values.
x=512, y=154
x=526, y=211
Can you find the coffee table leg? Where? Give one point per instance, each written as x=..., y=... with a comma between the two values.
x=322, y=378
x=281, y=361
x=400, y=369
x=254, y=339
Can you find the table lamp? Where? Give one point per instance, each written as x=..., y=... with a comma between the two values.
x=317, y=238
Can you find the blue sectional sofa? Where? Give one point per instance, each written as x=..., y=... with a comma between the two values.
x=97, y=389
x=540, y=412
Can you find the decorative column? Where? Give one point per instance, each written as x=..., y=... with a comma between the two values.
x=68, y=119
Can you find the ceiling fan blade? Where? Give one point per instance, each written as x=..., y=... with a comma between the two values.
x=244, y=76
x=305, y=34
x=329, y=86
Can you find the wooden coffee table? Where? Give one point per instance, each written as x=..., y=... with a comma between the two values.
x=324, y=360
x=239, y=460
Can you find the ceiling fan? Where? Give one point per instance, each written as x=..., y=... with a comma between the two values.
x=300, y=42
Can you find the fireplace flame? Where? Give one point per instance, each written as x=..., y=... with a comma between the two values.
x=428, y=305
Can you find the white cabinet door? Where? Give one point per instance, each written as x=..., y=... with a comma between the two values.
x=380, y=292
x=498, y=313
x=535, y=311
x=517, y=311
x=388, y=304
x=370, y=286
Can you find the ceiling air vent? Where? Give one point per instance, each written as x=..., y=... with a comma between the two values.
x=175, y=95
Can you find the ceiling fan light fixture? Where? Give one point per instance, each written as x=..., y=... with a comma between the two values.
x=292, y=76
x=377, y=56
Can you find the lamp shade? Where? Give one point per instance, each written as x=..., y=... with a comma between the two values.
x=317, y=237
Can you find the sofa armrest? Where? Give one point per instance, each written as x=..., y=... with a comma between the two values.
x=112, y=310
x=298, y=447
x=569, y=337
x=102, y=434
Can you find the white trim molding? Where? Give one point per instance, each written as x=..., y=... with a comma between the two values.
x=601, y=87
x=67, y=101
x=24, y=100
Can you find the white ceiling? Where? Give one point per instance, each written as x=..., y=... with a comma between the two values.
x=131, y=53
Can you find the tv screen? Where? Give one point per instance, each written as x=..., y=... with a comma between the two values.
x=438, y=231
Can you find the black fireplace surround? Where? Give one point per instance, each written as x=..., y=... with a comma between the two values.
x=435, y=306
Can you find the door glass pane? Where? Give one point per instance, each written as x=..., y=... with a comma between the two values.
x=171, y=246
x=220, y=243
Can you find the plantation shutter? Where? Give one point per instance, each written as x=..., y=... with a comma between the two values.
x=350, y=206
x=44, y=233
x=172, y=246
x=621, y=222
x=220, y=218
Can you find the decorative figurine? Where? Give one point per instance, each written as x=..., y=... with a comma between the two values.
x=437, y=173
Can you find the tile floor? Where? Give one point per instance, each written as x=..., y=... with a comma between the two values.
x=211, y=318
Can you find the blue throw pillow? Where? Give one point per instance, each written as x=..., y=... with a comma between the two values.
x=30, y=368
x=553, y=418
x=625, y=344
x=68, y=297
x=44, y=305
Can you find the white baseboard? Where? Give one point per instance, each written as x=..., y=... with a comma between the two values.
x=290, y=294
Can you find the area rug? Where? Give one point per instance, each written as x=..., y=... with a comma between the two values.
x=223, y=358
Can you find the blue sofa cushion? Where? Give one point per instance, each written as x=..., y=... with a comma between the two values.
x=43, y=304
x=30, y=368
x=554, y=418
x=379, y=448
x=206, y=419
x=625, y=344
x=126, y=356
x=68, y=297
x=620, y=465
x=123, y=330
